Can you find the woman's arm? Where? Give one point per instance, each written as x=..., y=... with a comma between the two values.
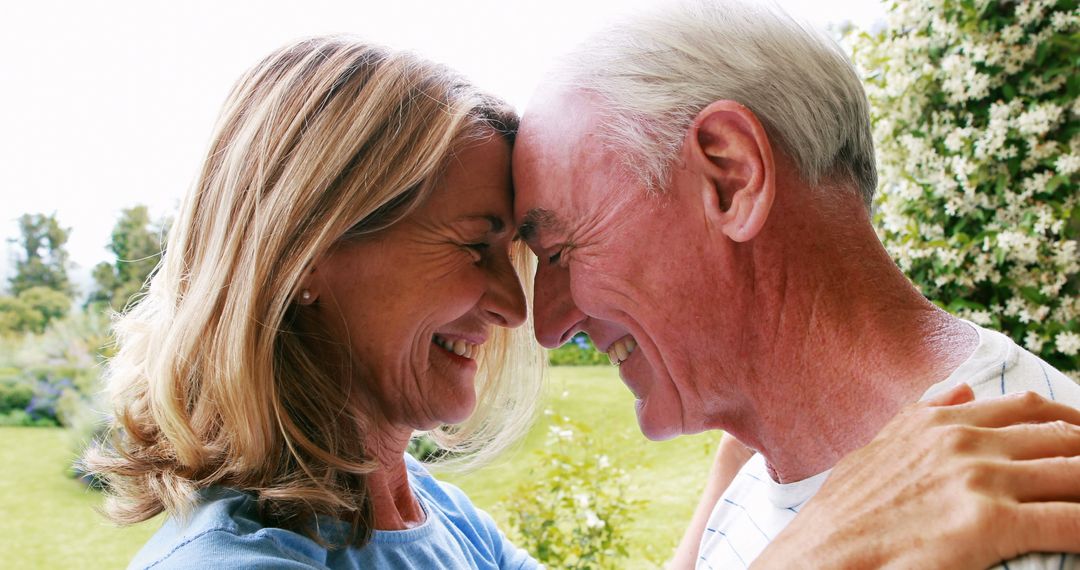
x=730, y=457
x=947, y=484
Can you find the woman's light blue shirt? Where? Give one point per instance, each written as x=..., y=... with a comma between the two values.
x=224, y=533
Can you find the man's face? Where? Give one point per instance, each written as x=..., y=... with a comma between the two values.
x=614, y=261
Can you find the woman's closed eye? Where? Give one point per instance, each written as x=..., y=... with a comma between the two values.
x=478, y=249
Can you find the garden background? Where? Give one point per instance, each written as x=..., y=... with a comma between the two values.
x=975, y=118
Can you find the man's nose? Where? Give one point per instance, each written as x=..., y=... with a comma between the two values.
x=555, y=315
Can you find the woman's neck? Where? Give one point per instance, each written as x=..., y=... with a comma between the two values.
x=396, y=508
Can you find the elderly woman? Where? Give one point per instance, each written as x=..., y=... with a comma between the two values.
x=342, y=275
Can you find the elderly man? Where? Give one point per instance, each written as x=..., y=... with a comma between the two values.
x=696, y=185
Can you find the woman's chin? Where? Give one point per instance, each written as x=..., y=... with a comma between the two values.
x=453, y=408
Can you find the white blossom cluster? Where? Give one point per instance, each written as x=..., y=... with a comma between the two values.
x=977, y=126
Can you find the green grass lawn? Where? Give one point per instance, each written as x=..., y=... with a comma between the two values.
x=48, y=520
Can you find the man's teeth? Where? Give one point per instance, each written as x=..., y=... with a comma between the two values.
x=621, y=350
x=458, y=347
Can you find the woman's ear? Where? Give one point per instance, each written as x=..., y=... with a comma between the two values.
x=308, y=291
x=729, y=150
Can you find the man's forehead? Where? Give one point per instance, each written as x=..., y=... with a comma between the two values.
x=555, y=120
x=552, y=154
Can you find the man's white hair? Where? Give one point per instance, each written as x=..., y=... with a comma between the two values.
x=654, y=73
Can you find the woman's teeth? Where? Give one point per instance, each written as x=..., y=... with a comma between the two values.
x=458, y=347
x=621, y=350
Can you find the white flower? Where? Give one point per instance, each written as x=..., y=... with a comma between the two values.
x=1021, y=247
x=1039, y=119
x=956, y=139
x=1033, y=342
x=593, y=521
x=1060, y=21
x=1036, y=184
x=582, y=500
x=603, y=462
x=980, y=318
x=560, y=433
x=1067, y=343
x=1012, y=34
x=1067, y=164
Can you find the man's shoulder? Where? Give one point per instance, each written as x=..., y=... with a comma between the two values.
x=1012, y=369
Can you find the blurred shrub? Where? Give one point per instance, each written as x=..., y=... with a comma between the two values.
x=573, y=511
x=14, y=396
x=578, y=352
x=423, y=448
x=32, y=310
x=52, y=379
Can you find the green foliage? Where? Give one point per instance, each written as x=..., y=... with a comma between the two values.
x=423, y=448
x=14, y=395
x=59, y=370
x=20, y=418
x=17, y=317
x=42, y=260
x=136, y=244
x=573, y=511
x=40, y=289
x=975, y=113
x=32, y=310
x=580, y=351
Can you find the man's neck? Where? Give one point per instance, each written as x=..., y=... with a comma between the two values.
x=852, y=343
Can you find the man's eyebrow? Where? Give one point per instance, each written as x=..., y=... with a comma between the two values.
x=535, y=220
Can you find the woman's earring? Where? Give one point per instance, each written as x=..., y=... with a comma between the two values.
x=305, y=296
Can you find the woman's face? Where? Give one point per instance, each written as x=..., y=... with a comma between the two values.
x=417, y=300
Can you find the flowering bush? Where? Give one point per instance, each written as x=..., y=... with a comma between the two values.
x=974, y=107
x=572, y=512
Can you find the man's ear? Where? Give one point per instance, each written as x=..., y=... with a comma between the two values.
x=727, y=147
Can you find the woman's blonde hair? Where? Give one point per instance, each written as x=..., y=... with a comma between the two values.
x=220, y=378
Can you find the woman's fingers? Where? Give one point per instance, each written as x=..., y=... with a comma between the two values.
x=1029, y=441
x=1039, y=480
x=1022, y=407
x=959, y=394
x=1035, y=527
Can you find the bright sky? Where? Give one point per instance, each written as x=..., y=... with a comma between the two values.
x=105, y=105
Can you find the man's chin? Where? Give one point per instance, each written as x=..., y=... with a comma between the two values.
x=654, y=428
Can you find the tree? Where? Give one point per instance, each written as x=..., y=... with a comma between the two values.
x=137, y=246
x=976, y=117
x=32, y=310
x=42, y=261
